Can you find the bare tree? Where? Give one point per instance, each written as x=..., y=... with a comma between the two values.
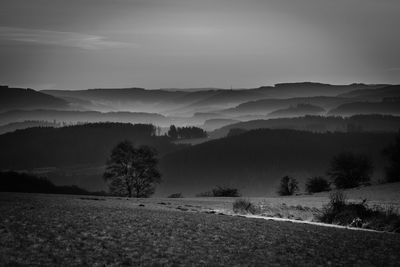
x=132, y=171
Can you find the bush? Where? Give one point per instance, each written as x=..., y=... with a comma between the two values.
x=348, y=170
x=288, y=186
x=335, y=206
x=317, y=184
x=359, y=215
x=243, y=206
x=176, y=195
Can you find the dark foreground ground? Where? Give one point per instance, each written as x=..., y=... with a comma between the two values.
x=80, y=231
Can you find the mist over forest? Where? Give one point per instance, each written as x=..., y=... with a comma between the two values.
x=252, y=136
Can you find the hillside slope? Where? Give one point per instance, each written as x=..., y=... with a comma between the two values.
x=19, y=98
x=256, y=160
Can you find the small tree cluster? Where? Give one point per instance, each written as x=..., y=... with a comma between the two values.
x=191, y=132
x=349, y=170
x=288, y=186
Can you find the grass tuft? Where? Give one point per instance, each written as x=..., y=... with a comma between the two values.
x=243, y=206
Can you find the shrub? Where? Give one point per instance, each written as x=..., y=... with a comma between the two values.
x=336, y=204
x=243, y=206
x=176, y=195
x=349, y=170
x=317, y=184
x=359, y=215
x=288, y=186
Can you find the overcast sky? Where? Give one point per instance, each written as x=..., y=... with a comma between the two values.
x=79, y=44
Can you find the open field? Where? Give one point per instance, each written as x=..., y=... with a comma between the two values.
x=59, y=230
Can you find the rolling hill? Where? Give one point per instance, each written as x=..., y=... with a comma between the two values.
x=374, y=94
x=297, y=111
x=19, y=98
x=265, y=106
x=187, y=102
x=255, y=161
x=69, y=116
x=374, y=123
x=387, y=106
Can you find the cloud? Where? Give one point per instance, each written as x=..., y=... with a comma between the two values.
x=59, y=38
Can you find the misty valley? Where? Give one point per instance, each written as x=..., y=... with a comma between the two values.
x=295, y=154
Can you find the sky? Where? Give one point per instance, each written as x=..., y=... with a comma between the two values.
x=80, y=44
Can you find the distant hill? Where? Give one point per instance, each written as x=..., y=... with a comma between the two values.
x=187, y=102
x=81, y=116
x=212, y=124
x=254, y=161
x=387, y=106
x=375, y=123
x=125, y=99
x=374, y=94
x=265, y=106
x=19, y=98
x=307, y=89
x=10, y=127
x=297, y=111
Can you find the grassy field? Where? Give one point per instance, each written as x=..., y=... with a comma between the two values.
x=59, y=230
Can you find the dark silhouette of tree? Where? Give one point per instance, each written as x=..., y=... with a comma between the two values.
x=185, y=132
x=132, y=171
x=317, y=184
x=288, y=186
x=348, y=170
x=172, y=132
x=392, y=153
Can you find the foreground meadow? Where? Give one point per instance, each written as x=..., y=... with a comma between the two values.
x=59, y=230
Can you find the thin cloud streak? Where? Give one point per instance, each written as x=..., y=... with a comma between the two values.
x=59, y=38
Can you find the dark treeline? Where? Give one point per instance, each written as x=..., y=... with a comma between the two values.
x=28, y=183
x=73, y=145
x=254, y=161
x=189, y=132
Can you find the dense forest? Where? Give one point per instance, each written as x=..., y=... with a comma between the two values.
x=73, y=145
x=253, y=161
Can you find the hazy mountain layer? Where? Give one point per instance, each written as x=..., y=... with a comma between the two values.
x=81, y=116
x=298, y=110
x=374, y=123
x=387, y=106
x=18, y=98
